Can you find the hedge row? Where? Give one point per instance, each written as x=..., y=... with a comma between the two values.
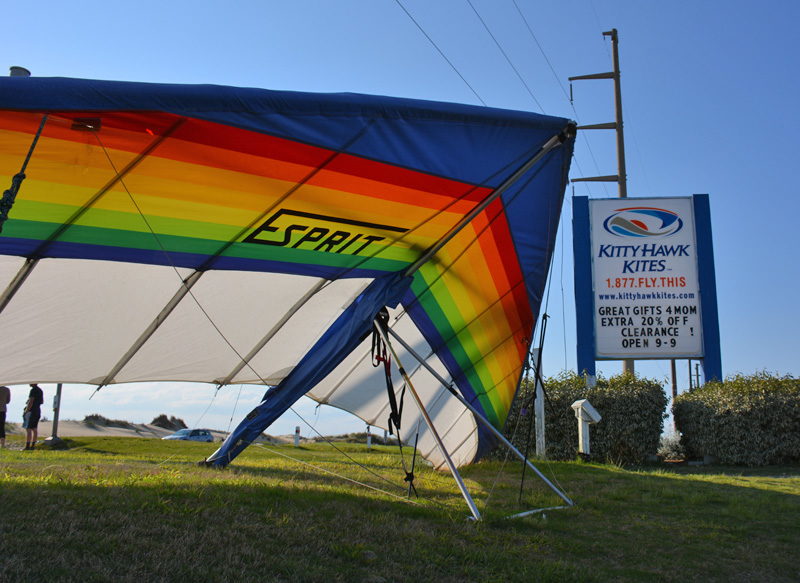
x=745, y=420
x=633, y=411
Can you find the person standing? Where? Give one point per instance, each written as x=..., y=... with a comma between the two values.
x=33, y=411
x=5, y=399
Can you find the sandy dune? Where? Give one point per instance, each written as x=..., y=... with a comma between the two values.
x=81, y=429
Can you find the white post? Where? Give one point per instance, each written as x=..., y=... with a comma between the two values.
x=584, y=446
x=585, y=414
x=369, y=439
x=297, y=436
x=538, y=409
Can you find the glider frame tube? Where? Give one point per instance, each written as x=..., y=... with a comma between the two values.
x=551, y=144
x=453, y=470
x=183, y=290
x=481, y=419
x=245, y=361
x=537, y=511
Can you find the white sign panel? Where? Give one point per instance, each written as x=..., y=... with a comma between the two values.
x=644, y=270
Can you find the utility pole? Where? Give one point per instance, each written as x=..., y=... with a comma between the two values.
x=621, y=177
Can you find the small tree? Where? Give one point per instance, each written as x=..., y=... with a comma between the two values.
x=749, y=420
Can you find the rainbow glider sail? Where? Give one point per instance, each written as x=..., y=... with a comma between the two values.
x=228, y=235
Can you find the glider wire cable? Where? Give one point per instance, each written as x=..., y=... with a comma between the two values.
x=538, y=372
x=327, y=471
x=333, y=445
x=537, y=382
x=541, y=327
x=363, y=467
x=505, y=460
x=235, y=405
x=524, y=377
x=211, y=320
x=550, y=275
x=203, y=414
x=550, y=272
x=406, y=498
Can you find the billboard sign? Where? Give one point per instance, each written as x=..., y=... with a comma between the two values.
x=644, y=271
x=643, y=280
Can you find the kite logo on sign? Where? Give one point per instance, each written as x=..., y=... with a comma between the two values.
x=643, y=222
x=313, y=232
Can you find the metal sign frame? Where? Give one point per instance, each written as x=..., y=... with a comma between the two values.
x=585, y=294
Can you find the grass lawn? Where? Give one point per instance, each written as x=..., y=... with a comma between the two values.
x=128, y=509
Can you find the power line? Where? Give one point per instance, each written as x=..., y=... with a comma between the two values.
x=530, y=92
x=430, y=40
x=508, y=60
x=563, y=90
x=541, y=50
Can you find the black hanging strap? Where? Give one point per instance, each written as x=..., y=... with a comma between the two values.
x=410, y=475
x=380, y=354
x=10, y=195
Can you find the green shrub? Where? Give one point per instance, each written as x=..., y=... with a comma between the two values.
x=633, y=411
x=745, y=420
x=172, y=423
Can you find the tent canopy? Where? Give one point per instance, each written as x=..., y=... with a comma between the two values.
x=222, y=235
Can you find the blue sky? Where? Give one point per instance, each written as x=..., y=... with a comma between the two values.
x=709, y=97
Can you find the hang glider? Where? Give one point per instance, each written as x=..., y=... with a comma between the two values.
x=155, y=232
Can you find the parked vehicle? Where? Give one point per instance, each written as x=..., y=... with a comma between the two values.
x=191, y=435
